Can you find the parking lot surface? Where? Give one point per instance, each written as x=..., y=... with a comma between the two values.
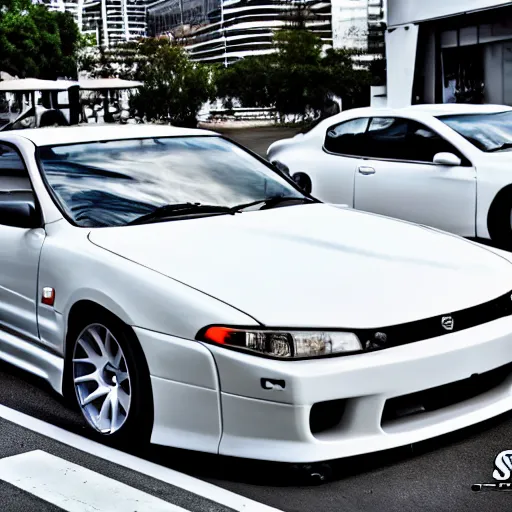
x=257, y=139
x=39, y=473
x=433, y=476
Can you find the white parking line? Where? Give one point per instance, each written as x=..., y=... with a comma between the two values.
x=74, y=488
x=209, y=491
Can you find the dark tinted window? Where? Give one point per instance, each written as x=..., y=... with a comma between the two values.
x=347, y=138
x=386, y=138
x=112, y=183
x=404, y=139
x=424, y=144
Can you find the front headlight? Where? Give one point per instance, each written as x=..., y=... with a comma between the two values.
x=287, y=344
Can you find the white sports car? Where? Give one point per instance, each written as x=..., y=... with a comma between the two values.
x=446, y=166
x=179, y=288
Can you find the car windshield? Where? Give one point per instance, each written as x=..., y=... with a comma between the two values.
x=488, y=132
x=112, y=183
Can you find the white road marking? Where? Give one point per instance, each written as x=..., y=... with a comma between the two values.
x=74, y=488
x=209, y=491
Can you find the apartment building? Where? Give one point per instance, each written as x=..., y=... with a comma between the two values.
x=110, y=21
x=227, y=30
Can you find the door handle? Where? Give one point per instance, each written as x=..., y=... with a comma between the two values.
x=366, y=170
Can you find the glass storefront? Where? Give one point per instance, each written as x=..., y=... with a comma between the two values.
x=463, y=74
x=476, y=59
x=465, y=58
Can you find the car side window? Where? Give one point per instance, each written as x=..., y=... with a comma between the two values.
x=425, y=144
x=386, y=138
x=347, y=138
x=404, y=139
x=13, y=173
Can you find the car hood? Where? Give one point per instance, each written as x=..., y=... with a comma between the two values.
x=317, y=266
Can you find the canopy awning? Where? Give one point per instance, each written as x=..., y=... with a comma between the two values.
x=6, y=76
x=34, y=84
x=102, y=84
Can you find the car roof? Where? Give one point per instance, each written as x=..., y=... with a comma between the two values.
x=434, y=109
x=455, y=109
x=93, y=133
x=418, y=112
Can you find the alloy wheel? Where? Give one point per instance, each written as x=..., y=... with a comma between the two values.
x=101, y=379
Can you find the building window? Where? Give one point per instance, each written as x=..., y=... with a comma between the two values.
x=463, y=74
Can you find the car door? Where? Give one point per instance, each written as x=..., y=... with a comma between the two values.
x=398, y=177
x=336, y=166
x=20, y=249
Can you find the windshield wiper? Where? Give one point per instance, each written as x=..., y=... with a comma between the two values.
x=271, y=202
x=505, y=145
x=178, y=210
x=182, y=209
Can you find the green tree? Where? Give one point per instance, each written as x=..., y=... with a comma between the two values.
x=288, y=79
x=297, y=78
x=71, y=42
x=297, y=82
x=174, y=88
x=344, y=79
x=297, y=47
x=247, y=80
x=35, y=42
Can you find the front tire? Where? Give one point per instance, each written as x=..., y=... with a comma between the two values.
x=110, y=379
x=303, y=181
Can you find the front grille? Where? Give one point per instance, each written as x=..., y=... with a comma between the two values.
x=443, y=396
x=402, y=334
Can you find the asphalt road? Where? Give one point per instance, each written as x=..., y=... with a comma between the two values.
x=433, y=476
x=257, y=139
x=16, y=442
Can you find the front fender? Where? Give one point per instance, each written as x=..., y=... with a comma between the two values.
x=140, y=297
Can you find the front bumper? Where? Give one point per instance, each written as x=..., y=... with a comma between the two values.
x=275, y=424
x=211, y=399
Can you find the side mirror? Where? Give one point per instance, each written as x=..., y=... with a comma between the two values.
x=303, y=181
x=447, y=159
x=18, y=210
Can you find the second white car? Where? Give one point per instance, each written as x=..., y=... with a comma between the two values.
x=446, y=166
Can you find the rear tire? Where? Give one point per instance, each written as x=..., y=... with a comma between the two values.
x=499, y=221
x=108, y=378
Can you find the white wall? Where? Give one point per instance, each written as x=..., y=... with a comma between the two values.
x=378, y=97
x=401, y=47
x=350, y=24
x=408, y=11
